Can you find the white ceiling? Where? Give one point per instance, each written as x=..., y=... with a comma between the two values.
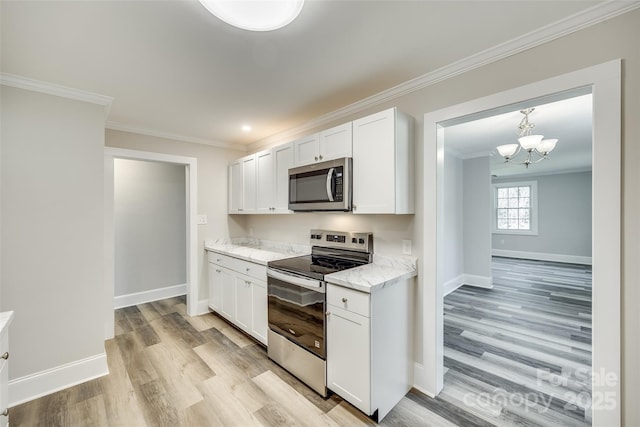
x=175, y=69
x=569, y=120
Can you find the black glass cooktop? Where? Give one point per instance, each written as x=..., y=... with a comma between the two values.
x=315, y=266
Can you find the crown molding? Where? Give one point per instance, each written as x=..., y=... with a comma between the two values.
x=586, y=18
x=27, y=83
x=159, y=134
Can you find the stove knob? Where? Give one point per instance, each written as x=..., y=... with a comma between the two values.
x=354, y=240
x=361, y=241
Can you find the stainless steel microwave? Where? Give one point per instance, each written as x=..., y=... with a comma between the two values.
x=324, y=186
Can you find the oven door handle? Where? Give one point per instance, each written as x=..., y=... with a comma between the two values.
x=315, y=285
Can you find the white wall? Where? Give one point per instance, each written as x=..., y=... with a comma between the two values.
x=212, y=187
x=453, y=217
x=52, y=217
x=564, y=217
x=477, y=217
x=150, y=226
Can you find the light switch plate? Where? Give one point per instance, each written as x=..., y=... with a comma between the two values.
x=406, y=247
x=202, y=219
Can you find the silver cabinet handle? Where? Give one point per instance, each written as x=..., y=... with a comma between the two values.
x=247, y=282
x=218, y=271
x=320, y=156
x=328, y=313
x=5, y=413
x=316, y=158
x=5, y=356
x=248, y=269
x=344, y=300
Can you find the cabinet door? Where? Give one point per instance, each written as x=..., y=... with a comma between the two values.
x=259, y=305
x=265, y=180
x=305, y=150
x=283, y=159
x=243, y=302
x=373, y=163
x=336, y=142
x=249, y=184
x=348, y=357
x=228, y=294
x=215, y=287
x=4, y=401
x=235, y=187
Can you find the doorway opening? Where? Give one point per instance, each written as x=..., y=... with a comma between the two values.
x=603, y=81
x=190, y=231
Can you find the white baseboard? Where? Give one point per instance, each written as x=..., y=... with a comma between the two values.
x=42, y=383
x=203, y=307
x=478, y=281
x=466, y=279
x=148, y=296
x=419, y=379
x=452, y=285
x=540, y=256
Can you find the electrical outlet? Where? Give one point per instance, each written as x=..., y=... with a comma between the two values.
x=202, y=219
x=406, y=247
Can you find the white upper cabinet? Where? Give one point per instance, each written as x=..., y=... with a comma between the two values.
x=283, y=161
x=265, y=182
x=383, y=164
x=330, y=144
x=259, y=183
x=305, y=150
x=336, y=142
x=242, y=185
x=235, y=186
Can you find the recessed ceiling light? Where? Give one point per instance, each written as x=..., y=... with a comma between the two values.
x=246, y=128
x=255, y=15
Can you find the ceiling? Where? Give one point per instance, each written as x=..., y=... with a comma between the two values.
x=174, y=69
x=568, y=119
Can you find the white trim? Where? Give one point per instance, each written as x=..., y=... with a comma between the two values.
x=136, y=298
x=451, y=285
x=191, y=171
x=49, y=381
x=21, y=82
x=203, y=307
x=533, y=207
x=540, y=256
x=583, y=19
x=159, y=134
x=605, y=82
x=478, y=281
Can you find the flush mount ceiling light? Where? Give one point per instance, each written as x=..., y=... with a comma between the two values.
x=255, y=15
x=532, y=144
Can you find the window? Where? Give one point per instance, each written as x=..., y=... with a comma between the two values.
x=515, y=208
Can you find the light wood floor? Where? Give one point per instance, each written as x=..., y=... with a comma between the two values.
x=169, y=369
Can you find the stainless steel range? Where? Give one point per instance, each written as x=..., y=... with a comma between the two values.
x=297, y=300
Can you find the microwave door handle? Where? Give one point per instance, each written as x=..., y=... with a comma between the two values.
x=329, y=177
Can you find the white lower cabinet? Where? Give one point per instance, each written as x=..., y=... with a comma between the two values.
x=238, y=292
x=5, y=320
x=348, y=349
x=370, y=346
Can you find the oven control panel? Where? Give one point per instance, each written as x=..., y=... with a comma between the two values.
x=345, y=240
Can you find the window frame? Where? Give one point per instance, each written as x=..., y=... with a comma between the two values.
x=533, y=207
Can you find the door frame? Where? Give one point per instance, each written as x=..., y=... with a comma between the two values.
x=191, y=183
x=605, y=82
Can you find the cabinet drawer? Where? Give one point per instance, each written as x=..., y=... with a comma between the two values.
x=348, y=299
x=221, y=260
x=257, y=271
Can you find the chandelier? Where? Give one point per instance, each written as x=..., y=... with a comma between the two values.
x=536, y=147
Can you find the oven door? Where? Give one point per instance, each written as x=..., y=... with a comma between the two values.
x=296, y=310
x=321, y=186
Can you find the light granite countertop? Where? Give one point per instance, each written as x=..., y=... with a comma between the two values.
x=384, y=271
x=5, y=319
x=255, y=250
